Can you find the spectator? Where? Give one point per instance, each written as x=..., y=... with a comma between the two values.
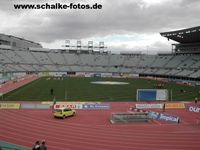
x=36, y=146
x=178, y=120
x=196, y=100
x=43, y=146
x=164, y=107
x=51, y=91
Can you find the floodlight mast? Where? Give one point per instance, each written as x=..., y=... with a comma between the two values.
x=101, y=46
x=78, y=46
x=90, y=46
x=67, y=44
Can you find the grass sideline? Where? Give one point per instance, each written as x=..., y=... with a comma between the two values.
x=81, y=89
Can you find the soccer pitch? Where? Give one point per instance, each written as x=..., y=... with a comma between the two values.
x=81, y=89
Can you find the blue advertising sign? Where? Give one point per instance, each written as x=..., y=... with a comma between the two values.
x=163, y=117
x=153, y=115
x=96, y=106
x=167, y=117
x=193, y=109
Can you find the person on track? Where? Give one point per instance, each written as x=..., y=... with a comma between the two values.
x=51, y=91
x=36, y=146
x=43, y=145
x=164, y=107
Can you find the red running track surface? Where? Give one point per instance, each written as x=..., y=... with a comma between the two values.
x=91, y=130
x=14, y=84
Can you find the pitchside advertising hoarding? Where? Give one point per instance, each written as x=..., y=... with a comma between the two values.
x=34, y=106
x=153, y=115
x=9, y=106
x=96, y=106
x=146, y=106
x=81, y=105
x=72, y=106
x=163, y=117
x=168, y=105
x=169, y=118
x=195, y=109
x=175, y=105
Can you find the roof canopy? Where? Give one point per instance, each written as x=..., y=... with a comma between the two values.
x=190, y=35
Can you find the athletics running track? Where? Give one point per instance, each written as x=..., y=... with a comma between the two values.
x=91, y=130
x=14, y=84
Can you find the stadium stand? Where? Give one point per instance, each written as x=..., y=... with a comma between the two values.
x=196, y=74
x=27, y=56
x=131, y=61
x=161, y=61
x=146, y=60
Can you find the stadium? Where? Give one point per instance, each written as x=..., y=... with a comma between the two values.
x=119, y=98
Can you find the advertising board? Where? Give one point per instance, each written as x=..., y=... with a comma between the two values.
x=163, y=117
x=96, y=106
x=174, y=105
x=143, y=106
x=195, y=109
x=9, y=106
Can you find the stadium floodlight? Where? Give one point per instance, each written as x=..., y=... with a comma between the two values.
x=67, y=44
x=101, y=46
x=78, y=45
x=90, y=45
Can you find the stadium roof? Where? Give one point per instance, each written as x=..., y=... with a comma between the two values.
x=190, y=35
x=14, y=37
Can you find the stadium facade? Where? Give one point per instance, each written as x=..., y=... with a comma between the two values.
x=12, y=42
x=20, y=55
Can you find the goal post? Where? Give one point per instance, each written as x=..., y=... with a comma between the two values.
x=152, y=95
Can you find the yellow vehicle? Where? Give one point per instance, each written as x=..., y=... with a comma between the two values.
x=64, y=112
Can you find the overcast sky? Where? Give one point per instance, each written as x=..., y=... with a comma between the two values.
x=124, y=25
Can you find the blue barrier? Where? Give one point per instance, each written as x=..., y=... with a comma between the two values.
x=153, y=115
x=163, y=117
x=167, y=117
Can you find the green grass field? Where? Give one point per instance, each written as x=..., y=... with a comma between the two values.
x=81, y=89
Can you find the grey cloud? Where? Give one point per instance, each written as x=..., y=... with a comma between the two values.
x=116, y=17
